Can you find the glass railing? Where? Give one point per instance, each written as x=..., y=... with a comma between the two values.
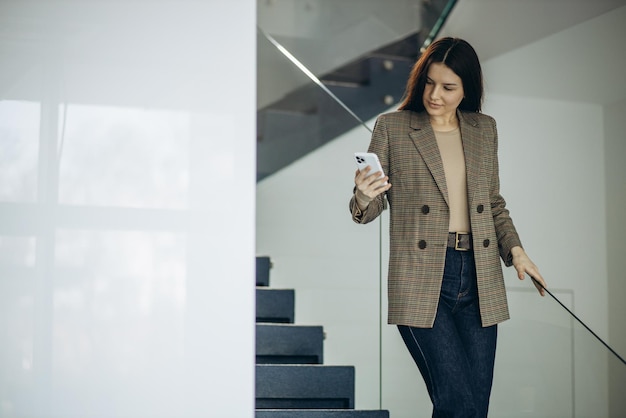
x=365, y=68
x=300, y=121
x=325, y=34
x=548, y=364
x=303, y=222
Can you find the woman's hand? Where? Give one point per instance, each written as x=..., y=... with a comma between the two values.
x=524, y=265
x=368, y=186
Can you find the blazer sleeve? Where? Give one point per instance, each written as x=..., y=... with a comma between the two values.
x=505, y=229
x=379, y=145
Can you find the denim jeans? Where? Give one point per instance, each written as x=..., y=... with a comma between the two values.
x=456, y=357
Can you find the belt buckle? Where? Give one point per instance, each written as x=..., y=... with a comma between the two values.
x=457, y=241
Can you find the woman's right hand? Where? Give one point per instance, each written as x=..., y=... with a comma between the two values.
x=368, y=186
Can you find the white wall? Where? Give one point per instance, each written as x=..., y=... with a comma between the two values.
x=127, y=202
x=552, y=156
x=551, y=172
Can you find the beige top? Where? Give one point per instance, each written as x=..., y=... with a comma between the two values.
x=451, y=150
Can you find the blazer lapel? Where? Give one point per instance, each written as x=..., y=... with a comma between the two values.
x=424, y=139
x=471, y=138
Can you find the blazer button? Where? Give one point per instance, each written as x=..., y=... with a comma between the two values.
x=425, y=209
x=480, y=208
x=486, y=243
x=421, y=244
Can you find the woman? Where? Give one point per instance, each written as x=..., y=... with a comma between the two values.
x=448, y=227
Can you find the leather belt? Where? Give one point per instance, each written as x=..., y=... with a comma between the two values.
x=461, y=241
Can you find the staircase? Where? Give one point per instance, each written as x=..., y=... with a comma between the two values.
x=291, y=379
x=306, y=118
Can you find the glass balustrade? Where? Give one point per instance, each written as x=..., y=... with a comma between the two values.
x=548, y=364
x=304, y=226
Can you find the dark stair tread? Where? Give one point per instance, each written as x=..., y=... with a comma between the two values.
x=320, y=413
x=263, y=266
x=304, y=387
x=275, y=305
x=289, y=344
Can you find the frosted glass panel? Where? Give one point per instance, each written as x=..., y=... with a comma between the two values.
x=115, y=317
x=17, y=320
x=129, y=157
x=122, y=258
x=305, y=227
x=19, y=145
x=16, y=252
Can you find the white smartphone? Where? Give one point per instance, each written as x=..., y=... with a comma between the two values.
x=363, y=159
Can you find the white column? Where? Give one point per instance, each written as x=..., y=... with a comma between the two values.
x=127, y=208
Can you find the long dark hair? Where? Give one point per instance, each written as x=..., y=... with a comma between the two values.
x=460, y=57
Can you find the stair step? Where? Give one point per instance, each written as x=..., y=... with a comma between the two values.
x=304, y=387
x=275, y=305
x=263, y=265
x=285, y=135
x=289, y=344
x=319, y=413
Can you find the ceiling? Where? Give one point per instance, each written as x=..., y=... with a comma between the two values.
x=494, y=27
x=580, y=56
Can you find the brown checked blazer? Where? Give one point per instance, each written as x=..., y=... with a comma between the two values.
x=418, y=199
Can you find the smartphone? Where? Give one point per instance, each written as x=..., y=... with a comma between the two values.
x=363, y=159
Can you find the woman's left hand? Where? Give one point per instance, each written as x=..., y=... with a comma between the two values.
x=524, y=265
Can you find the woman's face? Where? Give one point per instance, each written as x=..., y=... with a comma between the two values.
x=443, y=91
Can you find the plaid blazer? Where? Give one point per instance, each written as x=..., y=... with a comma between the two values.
x=419, y=215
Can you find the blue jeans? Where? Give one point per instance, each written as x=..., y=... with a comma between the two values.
x=456, y=357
